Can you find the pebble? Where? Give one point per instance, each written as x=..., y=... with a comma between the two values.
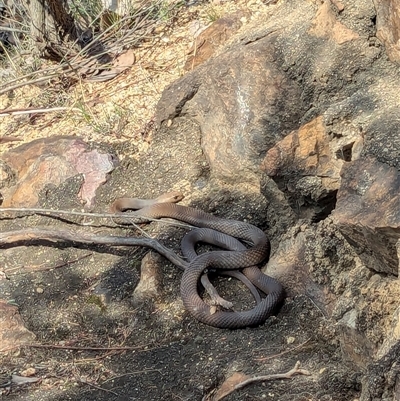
x=198, y=340
x=290, y=340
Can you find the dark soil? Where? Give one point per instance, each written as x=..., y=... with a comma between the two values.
x=174, y=356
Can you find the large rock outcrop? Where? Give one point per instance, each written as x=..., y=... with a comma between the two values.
x=309, y=101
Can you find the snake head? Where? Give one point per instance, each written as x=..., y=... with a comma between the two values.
x=170, y=197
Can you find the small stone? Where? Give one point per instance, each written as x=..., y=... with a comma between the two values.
x=290, y=340
x=28, y=372
x=198, y=340
x=39, y=290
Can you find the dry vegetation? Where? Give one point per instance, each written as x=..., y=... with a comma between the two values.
x=116, y=110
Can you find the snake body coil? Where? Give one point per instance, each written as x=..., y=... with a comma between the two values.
x=246, y=259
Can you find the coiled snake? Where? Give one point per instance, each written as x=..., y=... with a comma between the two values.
x=245, y=259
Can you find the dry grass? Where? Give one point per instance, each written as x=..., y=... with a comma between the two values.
x=120, y=109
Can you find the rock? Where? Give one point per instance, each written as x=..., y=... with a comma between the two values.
x=338, y=4
x=308, y=161
x=288, y=266
x=368, y=212
x=150, y=281
x=239, y=122
x=325, y=25
x=206, y=94
x=382, y=374
x=210, y=39
x=388, y=26
x=51, y=161
x=357, y=349
x=305, y=153
x=13, y=333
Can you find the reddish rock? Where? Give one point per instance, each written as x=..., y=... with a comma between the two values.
x=310, y=152
x=32, y=166
x=326, y=25
x=368, y=212
x=212, y=38
x=238, y=120
x=13, y=333
x=388, y=26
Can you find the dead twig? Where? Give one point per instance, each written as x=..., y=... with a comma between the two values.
x=98, y=387
x=67, y=263
x=283, y=352
x=15, y=112
x=288, y=375
x=139, y=372
x=31, y=82
x=324, y=315
x=124, y=216
x=76, y=348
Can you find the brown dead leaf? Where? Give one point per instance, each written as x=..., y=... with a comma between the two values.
x=229, y=384
x=120, y=64
x=125, y=60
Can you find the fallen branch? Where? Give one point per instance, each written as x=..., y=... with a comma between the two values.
x=17, y=237
x=288, y=375
x=73, y=236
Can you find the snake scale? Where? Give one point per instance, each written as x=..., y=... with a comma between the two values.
x=246, y=259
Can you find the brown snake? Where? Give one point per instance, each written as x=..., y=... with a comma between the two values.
x=245, y=259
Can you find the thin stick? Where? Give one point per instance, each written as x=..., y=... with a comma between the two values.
x=98, y=387
x=283, y=352
x=324, y=315
x=67, y=263
x=31, y=82
x=124, y=216
x=288, y=375
x=76, y=348
x=131, y=374
x=7, y=29
x=16, y=112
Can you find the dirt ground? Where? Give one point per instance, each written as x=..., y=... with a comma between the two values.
x=92, y=348
x=173, y=357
